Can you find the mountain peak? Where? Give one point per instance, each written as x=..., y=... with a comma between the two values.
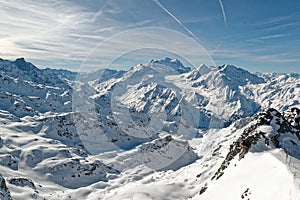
x=166, y=60
x=22, y=64
x=239, y=76
x=173, y=63
x=21, y=59
x=228, y=67
x=203, y=69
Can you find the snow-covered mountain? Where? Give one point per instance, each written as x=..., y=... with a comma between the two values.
x=264, y=137
x=157, y=131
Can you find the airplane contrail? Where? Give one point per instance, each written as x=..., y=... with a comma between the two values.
x=223, y=12
x=177, y=20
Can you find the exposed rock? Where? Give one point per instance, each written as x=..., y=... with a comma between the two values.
x=4, y=191
x=22, y=182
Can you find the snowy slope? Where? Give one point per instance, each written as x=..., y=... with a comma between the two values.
x=256, y=166
x=157, y=131
x=222, y=88
x=258, y=176
x=278, y=89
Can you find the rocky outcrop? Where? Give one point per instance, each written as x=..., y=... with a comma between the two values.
x=76, y=172
x=22, y=182
x=4, y=191
x=292, y=116
x=285, y=134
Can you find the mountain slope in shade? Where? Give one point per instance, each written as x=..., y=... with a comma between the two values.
x=223, y=88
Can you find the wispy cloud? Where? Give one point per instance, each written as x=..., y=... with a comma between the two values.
x=266, y=37
x=56, y=31
x=177, y=20
x=50, y=29
x=223, y=12
x=283, y=26
x=278, y=58
x=154, y=39
x=274, y=20
x=255, y=59
x=65, y=33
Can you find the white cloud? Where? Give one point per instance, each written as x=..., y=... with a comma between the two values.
x=153, y=40
x=65, y=33
x=266, y=37
x=47, y=29
x=56, y=31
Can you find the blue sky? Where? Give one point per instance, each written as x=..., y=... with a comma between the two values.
x=256, y=35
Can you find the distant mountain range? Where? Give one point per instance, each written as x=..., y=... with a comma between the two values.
x=156, y=131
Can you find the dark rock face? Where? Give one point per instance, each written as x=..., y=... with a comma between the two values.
x=293, y=117
x=4, y=192
x=81, y=171
x=22, y=182
x=246, y=193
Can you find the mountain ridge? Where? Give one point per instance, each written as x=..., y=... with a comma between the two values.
x=158, y=125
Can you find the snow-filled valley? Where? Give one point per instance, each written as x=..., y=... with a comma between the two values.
x=158, y=131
